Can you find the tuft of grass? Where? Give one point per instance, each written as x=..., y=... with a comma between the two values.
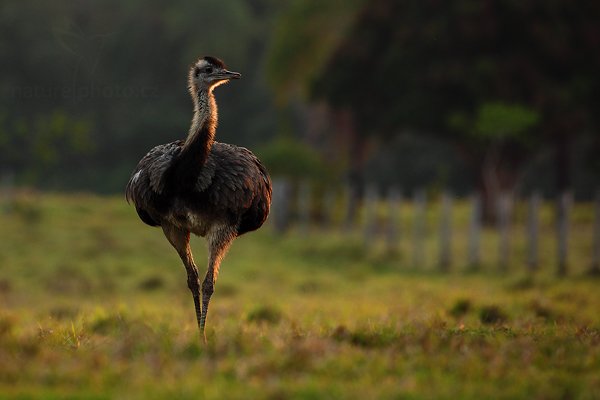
x=523, y=284
x=28, y=209
x=69, y=279
x=543, y=310
x=310, y=286
x=63, y=312
x=5, y=286
x=227, y=290
x=265, y=314
x=460, y=308
x=152, y=283
x=492, y=314
x=191, y=350
x=7, y=323
x=104, y=323
x=368, y=337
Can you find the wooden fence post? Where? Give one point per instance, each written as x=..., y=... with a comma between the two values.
x=475, y=232
x=394, y=203
x=327, y=219
x=304, y=206
x=504, y=211
x=533, y=232
x=281, y=204
x=446, y=232
x=595, y=269
x=351, y=204
x=370, y=227
x=419, y=228
x=562, y=230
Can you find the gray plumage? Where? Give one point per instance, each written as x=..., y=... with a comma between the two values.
x=197, y=185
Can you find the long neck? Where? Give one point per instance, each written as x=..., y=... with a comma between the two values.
x=201, y=135
x=200, y=138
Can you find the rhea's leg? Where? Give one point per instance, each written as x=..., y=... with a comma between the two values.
x=180, y=240
x=219, y=240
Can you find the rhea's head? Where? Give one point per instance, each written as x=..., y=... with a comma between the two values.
x=208, y=73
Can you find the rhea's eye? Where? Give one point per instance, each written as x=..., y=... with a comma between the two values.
x=196, y=72
x=208, y=70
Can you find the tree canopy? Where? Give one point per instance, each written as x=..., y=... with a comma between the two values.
x=421, y=62
x=89, y=87
x=520, y=75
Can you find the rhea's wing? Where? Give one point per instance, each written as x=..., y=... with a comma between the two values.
x=238, y=178
x=148, y=178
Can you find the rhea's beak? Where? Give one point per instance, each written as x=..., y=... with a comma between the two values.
x=226, y=74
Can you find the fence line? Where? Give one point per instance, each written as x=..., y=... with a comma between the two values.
x=386, y=216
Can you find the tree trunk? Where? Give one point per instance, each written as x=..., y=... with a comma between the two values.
x=563, y=163
x=496, y=177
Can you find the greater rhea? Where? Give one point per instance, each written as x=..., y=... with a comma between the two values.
x=197, y=185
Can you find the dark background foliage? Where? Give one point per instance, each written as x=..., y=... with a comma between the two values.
x=493, y=94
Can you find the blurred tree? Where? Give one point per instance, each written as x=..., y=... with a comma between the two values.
x=48, y=139
x=290, y=158
x=305, y=35
x=511, y=75
x=422, y=64
x=119, y=69
x=496, y=128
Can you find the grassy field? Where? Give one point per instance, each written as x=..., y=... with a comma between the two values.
x=95, y=305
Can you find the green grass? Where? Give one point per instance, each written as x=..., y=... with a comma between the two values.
x=95, y=305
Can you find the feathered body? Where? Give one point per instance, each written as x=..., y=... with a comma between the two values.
x=231, y=188
x=201, y=186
